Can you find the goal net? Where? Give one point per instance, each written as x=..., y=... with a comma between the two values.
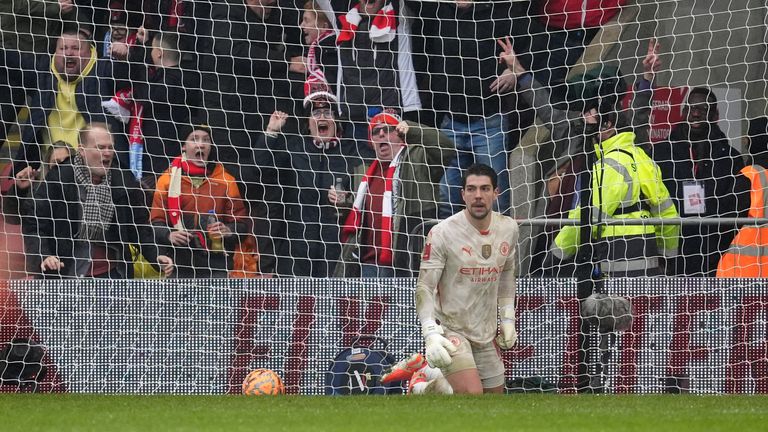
x=194, y=189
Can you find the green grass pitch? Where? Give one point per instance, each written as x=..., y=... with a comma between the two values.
x=70, y=412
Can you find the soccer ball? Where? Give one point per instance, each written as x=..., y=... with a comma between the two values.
x=263, y=382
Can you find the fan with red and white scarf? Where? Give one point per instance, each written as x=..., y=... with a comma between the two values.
x=383, y=26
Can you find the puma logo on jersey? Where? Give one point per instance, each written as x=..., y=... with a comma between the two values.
x=467, y=250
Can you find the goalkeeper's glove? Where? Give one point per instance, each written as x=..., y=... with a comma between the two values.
x=438, y=348
x=507, y=334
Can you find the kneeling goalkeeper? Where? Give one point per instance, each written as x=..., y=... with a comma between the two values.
x=467, y=276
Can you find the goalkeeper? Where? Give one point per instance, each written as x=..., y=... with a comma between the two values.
x=467, y=275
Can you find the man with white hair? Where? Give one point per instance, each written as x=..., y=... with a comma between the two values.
x=396, y=196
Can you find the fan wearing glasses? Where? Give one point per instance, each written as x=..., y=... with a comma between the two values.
x=398, y=192
x=305, y=223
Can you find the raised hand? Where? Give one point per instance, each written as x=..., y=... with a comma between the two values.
x=141, y=35
x=508, y=56
x=118, y=50
x=276, y=122
x=402, y=129
x=651, y=62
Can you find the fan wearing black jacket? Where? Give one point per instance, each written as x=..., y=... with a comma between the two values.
x=701, y=171
x=87, y=212
x=169, y=97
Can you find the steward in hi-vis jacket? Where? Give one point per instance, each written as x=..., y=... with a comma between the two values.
x=748, y=255
x=626, y=184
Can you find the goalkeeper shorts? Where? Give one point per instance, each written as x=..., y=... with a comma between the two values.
x=486, y=358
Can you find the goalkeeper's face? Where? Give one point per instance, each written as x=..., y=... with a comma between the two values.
x=479, y=195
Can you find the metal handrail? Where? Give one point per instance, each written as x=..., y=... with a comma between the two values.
x=742, y=221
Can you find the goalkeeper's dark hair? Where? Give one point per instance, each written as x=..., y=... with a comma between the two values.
x=480, y=170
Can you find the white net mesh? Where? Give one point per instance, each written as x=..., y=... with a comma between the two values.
x=260, y=138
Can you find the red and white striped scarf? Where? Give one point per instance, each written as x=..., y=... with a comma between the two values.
x=383, y=26
x=175, y=14
x=127, y=110
x=179, y=168
x=312, y=63
x=355, y=217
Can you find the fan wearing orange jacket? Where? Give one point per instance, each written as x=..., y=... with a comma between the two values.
x=197, y=212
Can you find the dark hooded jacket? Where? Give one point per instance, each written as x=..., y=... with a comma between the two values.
x=716, y=167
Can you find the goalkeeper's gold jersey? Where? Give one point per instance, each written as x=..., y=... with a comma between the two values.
x=472, y=263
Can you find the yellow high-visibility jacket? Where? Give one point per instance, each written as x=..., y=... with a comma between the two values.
x=626, y=184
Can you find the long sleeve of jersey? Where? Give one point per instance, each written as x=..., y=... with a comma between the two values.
x=429, y=277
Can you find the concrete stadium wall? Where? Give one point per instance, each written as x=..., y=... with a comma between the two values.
x=705, y=43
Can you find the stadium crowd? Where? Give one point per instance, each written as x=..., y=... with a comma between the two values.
x=319, y=138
